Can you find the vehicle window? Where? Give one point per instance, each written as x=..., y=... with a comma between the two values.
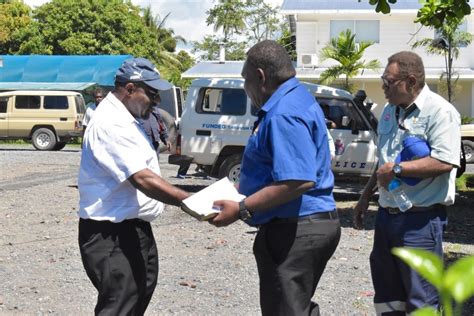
x=342, y=113
x=27, y=102
x=179, y=98
x=80, y=106
x=222, y=101
x=3, y=104
x=55, y=102
x=167, y=102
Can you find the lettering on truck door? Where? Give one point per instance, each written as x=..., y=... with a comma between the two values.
x=353, y=139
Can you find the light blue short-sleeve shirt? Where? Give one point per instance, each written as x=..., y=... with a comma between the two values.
x=439, y=123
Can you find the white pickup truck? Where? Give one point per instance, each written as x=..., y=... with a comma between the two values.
x=467, y=138
x=218, y=118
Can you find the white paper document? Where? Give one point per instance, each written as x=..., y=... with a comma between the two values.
x=199, y=205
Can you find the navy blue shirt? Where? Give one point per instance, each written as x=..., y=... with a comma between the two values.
x=155, y=128
x=289, y=142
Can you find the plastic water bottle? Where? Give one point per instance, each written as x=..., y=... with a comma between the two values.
x=400, y=197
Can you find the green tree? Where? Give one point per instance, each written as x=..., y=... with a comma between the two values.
x=348, y=54
x=209, y=47
x=287, y=41
x=173, y=74
x=227, y=15
x=433, y=13
x=166, y=41
x=262, y=21
x=14, y=19
x=254, y=19
x=66, y=27
x=447, y=45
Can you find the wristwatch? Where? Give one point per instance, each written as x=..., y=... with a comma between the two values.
x=244, y=213
x=397, y=170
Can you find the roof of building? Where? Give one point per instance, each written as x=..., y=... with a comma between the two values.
x=215, y=69
x=58, y=72
x=331, y=5
x=233, y=69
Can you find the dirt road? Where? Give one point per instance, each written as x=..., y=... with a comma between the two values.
x=203, y=270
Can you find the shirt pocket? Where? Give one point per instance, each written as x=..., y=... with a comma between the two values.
x=417, y=126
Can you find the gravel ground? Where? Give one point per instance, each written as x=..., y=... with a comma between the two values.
x=203, y=270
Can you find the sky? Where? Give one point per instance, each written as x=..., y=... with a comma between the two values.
x=187, y=17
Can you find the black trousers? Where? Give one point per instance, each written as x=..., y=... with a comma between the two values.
x=291, y=258
x=121, y=260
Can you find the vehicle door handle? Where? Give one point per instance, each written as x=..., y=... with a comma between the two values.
x=361, y=141
x=63, y=118
x=201, y=132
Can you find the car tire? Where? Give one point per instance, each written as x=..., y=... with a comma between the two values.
x=230, y=168
x=468, y=150
x=44, y=139
x=172, y=130
x=59, y=146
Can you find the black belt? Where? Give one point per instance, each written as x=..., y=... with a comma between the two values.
x=126, y=221
x=414, y=209
x=311, y=217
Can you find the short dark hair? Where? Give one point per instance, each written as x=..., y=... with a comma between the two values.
x=273, y=59
x=98, y=90
x=409, y=63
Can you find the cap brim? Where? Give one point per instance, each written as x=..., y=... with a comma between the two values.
x=158, y=84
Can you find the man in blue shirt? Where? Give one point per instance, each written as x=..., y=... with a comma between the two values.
x=287, y=178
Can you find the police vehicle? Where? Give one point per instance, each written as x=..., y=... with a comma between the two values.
x=218, y=118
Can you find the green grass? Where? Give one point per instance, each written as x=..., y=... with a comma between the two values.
x=465, y=182
x=73, y=141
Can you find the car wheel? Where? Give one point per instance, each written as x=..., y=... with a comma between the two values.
x=468, y=150
x=171, y=126
x=59, y=146
x=44, y=139
x=231, y=168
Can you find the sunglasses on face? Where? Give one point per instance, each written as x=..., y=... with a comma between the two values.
x=390, y=82
x=153, y=95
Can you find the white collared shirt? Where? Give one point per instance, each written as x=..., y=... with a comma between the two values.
x=115, y=147
x=89, y=113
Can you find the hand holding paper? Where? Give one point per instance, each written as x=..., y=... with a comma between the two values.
x=201, y=204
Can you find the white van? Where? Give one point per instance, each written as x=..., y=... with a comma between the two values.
x=218, y=118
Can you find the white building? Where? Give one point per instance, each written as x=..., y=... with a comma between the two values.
x=315, y=22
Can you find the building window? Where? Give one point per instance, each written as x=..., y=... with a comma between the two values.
x=365, y=30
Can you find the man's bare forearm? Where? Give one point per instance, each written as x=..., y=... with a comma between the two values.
x=157, y=188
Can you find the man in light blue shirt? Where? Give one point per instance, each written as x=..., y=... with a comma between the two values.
x=412, y=110
x=287, y=178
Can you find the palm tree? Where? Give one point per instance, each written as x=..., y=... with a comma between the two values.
x=165, y=38
x=451, y=38
x=348, y=53
x=227, y=15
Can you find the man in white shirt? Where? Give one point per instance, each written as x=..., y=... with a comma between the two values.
x=121, y=191
x=98, y=97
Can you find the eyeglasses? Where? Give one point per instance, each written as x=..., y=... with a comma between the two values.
x=390, y=82
x=153, y=95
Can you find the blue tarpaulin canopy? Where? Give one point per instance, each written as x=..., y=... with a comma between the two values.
x=54, y=72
